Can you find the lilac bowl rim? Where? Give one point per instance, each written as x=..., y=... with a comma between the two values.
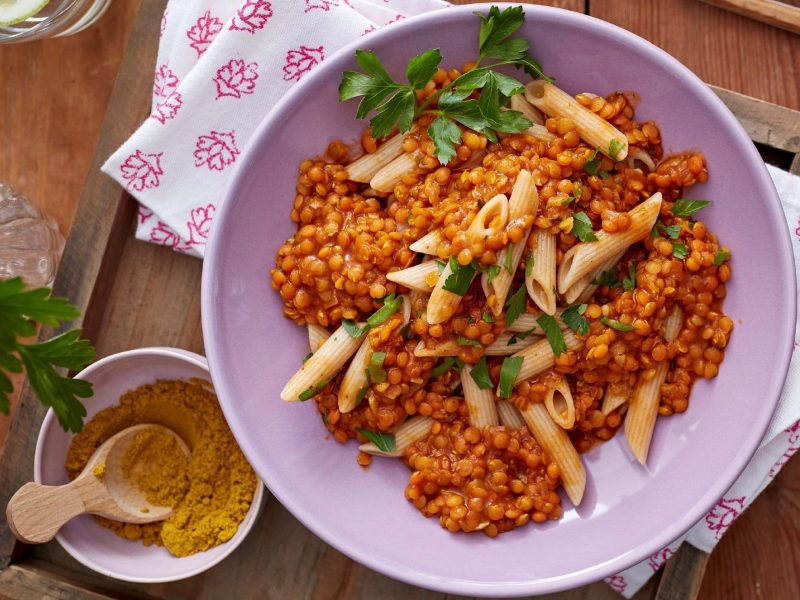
x=244, y=527
x=721, y=482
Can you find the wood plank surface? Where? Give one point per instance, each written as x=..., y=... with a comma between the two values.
x=142, y=282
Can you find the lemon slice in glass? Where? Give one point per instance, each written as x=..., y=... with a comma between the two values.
x=15, y=11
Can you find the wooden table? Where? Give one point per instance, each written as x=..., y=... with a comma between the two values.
x=54, y=99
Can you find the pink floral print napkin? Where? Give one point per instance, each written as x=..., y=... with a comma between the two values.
x=221, y=62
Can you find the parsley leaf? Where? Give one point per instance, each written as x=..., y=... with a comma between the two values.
x=520, y=336
x=445, y=135
x=480, y=374
x=574, y=319
x=487, y=317
x=515, y=306
x=450, y=362
x=629, y=283
x=592, y=165
x=384, y=441
x=495, y=39
x=20, y=310
x=313, y=390
x=614, y=146
x=508, y=374
x=720, y=257
x=352, y=328
x=422, y=68
x=529, y=265
x=686, y=207
x=608, y=277
x=553, y=333
x=582, y=227
x=307, y=356
x=391, y=304
x=458, y=281
x=375, y=371
x=440, y=264
x=671, y=231
x=679, y=251
x=509, y=264
x=614, y=324
x=463, y=341
x=492, y=271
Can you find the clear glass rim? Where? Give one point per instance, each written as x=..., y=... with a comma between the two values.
x=67, y=17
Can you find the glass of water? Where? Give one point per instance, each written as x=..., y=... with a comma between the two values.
x=24, y=20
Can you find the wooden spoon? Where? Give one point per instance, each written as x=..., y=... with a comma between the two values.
x=36, y=512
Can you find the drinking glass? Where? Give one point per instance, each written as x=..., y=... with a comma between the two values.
x=57, y=18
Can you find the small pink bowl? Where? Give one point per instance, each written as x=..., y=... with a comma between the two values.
x=96, y=547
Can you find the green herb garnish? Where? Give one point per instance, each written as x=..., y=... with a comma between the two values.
x=458, y=281
x=519, y=336
x=592, y=165
x=629, y=283
x=582, y=227
x=450, y=362
x=492, y=271
x=614, y=147
x=509, y=264
x=375, y=371
x=391, y=304
x=463, y=341
x=313, y=390
x=394, y=104
x=20, y=310
x=529, y=265
x=384, y=441
x=671, y=231
x=487, y=317
x=720, y=257
x=440, y=264
x=553, y=333
x=574, y=319
x=618, y=325
x=608, y=277
x=480, y=374
x=515, y=306
x=508, y=375
x=307, y=356
x=679, y=251
x=685, y=207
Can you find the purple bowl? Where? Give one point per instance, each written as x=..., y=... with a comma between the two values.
x=629, y=512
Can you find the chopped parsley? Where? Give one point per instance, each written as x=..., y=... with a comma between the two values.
x=487, y=317
x=720, y=257
x=553, y=333
x=592, y=165
x=614, y=147
x=492, y=271
x=391, y=304
x=574, y=319
x=520, y=336
x=515, y=306
x=450, y=362
x=671, y=231
x=307, y=356
x=529, y=265
x=313, y=390
x=618, y=325
x=384, y=441
x=508, y=375
x=608, y=277
x=458, y=281
x=509, y=264
x=375, y=371
x=463, y=341
x=582, y=227
x=686, y=207
x=480, y=374
x=629, y=283
x=679, y=250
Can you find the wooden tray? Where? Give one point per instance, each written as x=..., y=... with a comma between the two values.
x=135, y=294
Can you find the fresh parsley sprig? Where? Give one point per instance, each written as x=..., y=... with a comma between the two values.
x=394, y=104
x=20, y=311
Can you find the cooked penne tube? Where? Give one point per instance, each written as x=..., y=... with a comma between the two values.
x=406, y=308
x=355, y=378
x=428, y=243
x=585, y=257
x=445, y=348
x=540, y=132
x=642, y=156
x=490, y=220
x=643, y=409
x=408, y=432
x=317, y=335
x=592, y=128
x=520, y=104
x=559, y=403
x=480, y=403
x=541, y=282
x=538, y=357
x=559, y=448
x=421, y=277
x=528, y=322
x=524, y=202
x=389, y=176
x=322, y=365
x=364, y=168
x=580, y=291
x=504, y=346
x=509, y=415
x=616, y=395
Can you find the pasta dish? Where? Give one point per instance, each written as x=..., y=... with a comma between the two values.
x=505, y=276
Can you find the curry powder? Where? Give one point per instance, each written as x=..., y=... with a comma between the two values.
x=221, y=483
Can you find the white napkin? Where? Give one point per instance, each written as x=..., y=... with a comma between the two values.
x=222, y=63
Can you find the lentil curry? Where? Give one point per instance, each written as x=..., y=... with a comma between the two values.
x=335, y=272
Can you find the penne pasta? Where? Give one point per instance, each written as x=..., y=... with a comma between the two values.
x=322, y=365
x=528, y=322
x=390, y=175
x=504, y=346
x=586, y=257
x=363, y=169
x=538, y=357
x=559, y=404
x=509, y=415
x=445, y=348
x=642, y=156
x=540, y=132
x=580, y=291
x=429, y=243
x=355, y=378
x=524, y=202
x=643, y=409
x=592, y=128
x=559, y=448
x=480, y=403
x=421, y=277
x=490, y=220
x=541, y=282
x=520, y=104
x=408, y=432
x=616, y=395
x=442, y=303
x=317, y=335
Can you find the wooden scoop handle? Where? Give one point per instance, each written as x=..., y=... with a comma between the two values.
x=36, y=512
